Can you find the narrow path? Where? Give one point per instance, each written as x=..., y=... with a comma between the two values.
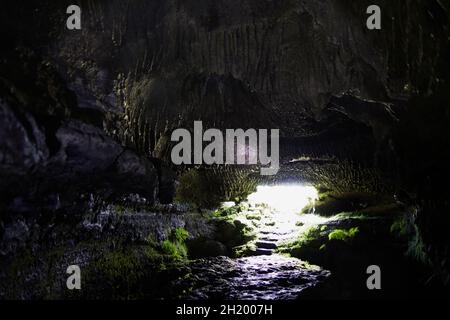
x=273, y=228
x=273, y=277
x=263, y=274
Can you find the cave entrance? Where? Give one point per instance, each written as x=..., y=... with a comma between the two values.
x=284, y=199
x=285, y=212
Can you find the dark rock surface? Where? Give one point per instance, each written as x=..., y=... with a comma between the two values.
x=84, y=114
x=49, y=148
x=163, y=64
x=34, y=256
x=254, y=278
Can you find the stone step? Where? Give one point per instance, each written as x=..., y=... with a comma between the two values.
x=269, y=239
x=266, y=244
x=263, y=252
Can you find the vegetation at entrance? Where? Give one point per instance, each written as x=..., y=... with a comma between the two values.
x=175, y=246
x=343, y=235
x=230, y=184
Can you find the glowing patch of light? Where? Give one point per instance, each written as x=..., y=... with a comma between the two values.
x=285, y=203
x=284, y=198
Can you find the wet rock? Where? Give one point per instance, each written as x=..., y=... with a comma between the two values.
x=87, y=161
x=85, y=148
x=231, y=234
x=54, y=143
x=167, y=181
x=141, y=226
x=263, y=277
x=136, y=174
x=35, y=257
x=266, y=244
x=202, y=248
x=262, y=252
x=23, y=143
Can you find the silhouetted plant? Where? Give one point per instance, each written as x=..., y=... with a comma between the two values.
x=208, y=187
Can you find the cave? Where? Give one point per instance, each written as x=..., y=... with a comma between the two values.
x=354, y=121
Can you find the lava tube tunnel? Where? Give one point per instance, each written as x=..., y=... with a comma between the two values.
x=251, y=150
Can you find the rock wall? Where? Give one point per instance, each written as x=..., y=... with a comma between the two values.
x=80, y=111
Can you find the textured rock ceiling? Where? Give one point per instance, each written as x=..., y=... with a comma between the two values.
x=150, y=66
x=139, y=69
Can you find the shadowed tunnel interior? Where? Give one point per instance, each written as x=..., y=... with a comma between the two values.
x=87, y=176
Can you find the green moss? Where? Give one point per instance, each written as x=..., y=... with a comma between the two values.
x=310, y=234
x=169, y=248
x=343, y=235
x=175, y=246
x=307, y=245
x=152, y=240
x=175, y=250
x=253, y=217
x=224, y=212
x=121, y=265
x=150, y=252
x=180, y=235
x=118, y=272
x=305, y=239
x=244, y=250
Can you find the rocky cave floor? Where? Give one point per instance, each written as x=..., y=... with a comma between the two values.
x=240, y=251
x=320, y=255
